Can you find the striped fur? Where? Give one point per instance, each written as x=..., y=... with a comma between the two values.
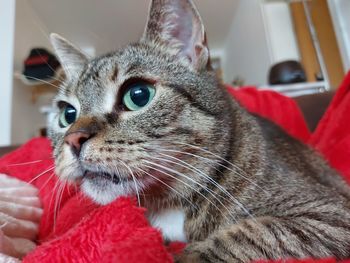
x=246, y=189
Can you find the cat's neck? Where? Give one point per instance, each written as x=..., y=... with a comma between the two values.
x=240, y=158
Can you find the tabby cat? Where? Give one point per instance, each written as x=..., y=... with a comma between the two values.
x=153, y=121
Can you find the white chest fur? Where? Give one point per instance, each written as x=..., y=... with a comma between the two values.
x=171, y=223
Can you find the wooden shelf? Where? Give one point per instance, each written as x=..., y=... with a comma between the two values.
x=297, y=89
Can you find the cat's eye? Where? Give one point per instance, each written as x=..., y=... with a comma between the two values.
x=138, y=95
x=68, y=116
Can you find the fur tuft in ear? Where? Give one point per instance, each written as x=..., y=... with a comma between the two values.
x=178, y=24
x=71, y=58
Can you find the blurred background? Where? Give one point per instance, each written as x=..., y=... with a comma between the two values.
x=294, y=47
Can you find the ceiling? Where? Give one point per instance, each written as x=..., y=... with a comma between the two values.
x=106, y=25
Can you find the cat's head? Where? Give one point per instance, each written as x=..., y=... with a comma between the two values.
x=140, y=117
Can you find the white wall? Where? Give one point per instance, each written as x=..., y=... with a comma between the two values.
x=7, y=16
x=340, y=10
x=246, y=49
x=29, y=32
x=280, y=31
x=261, y=35
x=27, y=120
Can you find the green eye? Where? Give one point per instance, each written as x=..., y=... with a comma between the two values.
x=138, y=96
x=67, y=116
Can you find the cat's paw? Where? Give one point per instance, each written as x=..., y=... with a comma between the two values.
x=191, y=253
x=187, y=258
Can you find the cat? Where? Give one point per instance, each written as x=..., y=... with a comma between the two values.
x=152, y=120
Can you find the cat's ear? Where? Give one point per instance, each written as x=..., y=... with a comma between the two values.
x=178, y=24
x=70, y=57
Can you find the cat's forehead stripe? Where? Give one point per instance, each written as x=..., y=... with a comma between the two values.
x=114, y=76
x=132, y=68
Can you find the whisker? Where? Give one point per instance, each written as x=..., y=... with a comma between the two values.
x=57, y=189
x=25, y=163
x=47, y=181
x=170, y=187
x=134, y=179
x=220, y=187
x=58, y=202
x=59, y=79
x=221, y=165
x=44, y=33
x=53, y=191
x=217, y=156
x=42, y=81
x=41, y=174
x=188, y=185
x=138, y=174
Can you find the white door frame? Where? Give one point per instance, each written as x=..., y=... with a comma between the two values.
x=7, y=27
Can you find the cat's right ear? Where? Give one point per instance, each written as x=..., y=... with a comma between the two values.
x=178, y=25
x=70, y=57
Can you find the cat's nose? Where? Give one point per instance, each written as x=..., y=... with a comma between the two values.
x=76, y=140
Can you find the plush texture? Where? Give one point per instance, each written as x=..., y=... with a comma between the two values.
x=77, y=230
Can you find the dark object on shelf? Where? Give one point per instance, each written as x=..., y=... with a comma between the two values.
x=40, y=64
x=43, y=132
x=287, y=72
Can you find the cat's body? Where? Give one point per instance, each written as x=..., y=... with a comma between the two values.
x=152, y=119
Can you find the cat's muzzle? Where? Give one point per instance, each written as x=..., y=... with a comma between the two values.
x=102, y=175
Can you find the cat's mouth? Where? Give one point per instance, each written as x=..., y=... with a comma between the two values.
x=91, y=175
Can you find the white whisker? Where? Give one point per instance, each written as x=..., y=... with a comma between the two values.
x=25, y=163
x=188, y=185
x=58, y=201
x=170, y=187
x=41, y=174
x=134, y=179
x=200, y=173
x=43, y=81
x=47, y=181
x=221, y=165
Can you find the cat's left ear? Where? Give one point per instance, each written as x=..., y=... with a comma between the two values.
x=70, y=57
x=177, y=24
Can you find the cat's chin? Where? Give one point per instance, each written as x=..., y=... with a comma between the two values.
x=104, y=191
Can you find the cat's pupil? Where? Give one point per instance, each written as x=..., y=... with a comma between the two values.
x=70, y=114
x=140, y=95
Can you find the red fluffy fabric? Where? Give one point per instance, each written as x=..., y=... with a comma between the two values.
x=74, y=229
x=275, y=107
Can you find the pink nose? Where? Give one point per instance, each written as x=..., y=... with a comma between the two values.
x=76, y=139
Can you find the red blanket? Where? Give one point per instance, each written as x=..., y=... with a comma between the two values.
x=73, y=229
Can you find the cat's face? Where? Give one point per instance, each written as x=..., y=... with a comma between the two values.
x=124, y=120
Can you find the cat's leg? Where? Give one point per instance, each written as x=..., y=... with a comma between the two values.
x=314, y=235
